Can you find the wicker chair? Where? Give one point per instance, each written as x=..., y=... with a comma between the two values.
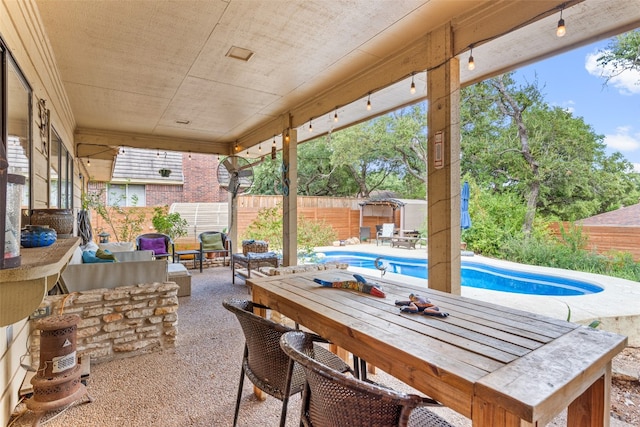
x=263, y=361
x=332, y=398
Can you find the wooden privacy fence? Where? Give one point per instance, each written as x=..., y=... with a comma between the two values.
x=604, y=239
x=343, y=214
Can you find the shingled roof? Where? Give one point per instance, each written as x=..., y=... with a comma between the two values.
x=628, y=216
x=142, y=166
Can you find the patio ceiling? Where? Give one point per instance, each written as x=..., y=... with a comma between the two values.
x=155, y=74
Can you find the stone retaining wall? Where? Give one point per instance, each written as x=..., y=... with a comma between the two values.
x=272, y=271
x=118, y=323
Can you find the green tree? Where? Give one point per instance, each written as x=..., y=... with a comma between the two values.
x=407, y=133
x=267, y=176
x=621, y=54
x=512, y=141
x=367, y=154
x=317, y=175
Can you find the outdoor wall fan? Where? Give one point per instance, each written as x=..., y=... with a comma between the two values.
x=235, y=174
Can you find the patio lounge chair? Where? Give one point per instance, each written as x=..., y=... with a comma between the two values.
x=161, y=245
x=214, y=242
x=332, y=398
x=264, y=363
x=386, y=233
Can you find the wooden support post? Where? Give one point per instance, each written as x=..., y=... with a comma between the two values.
x=290, y=199
x=444, y=163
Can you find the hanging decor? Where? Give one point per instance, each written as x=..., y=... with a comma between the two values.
x=43, y=113
x=164, y=171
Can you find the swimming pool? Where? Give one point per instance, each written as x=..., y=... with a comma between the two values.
x=473, y=274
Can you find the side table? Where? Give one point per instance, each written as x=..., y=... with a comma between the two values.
x=196, y=256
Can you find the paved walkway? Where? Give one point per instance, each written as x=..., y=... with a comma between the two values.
x=617, y=307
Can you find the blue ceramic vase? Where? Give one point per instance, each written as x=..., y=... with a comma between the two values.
x=37, y=236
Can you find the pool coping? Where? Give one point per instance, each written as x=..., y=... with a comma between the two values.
x=617, y=307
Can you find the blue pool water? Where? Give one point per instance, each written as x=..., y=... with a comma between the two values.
x=473, y=274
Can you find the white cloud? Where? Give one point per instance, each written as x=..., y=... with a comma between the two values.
x=636, y=167
x=569, y=106
x=623, y=140
x=627, y=82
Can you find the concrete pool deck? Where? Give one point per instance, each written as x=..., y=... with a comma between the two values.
x=617, y=306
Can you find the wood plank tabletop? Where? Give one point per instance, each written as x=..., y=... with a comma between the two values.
x=445, y=358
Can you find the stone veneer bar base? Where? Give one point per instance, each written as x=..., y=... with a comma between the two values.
x=118, y=323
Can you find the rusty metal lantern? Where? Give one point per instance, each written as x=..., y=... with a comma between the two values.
x=57, y=381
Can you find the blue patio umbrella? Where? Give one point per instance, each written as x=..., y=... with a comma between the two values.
x=465, y=219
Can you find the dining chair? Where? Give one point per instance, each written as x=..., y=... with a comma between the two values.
x=332, y=398
x=264, y=362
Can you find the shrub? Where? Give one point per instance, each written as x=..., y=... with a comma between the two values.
x=124, y=223
x=268, y=226
x=171, y=224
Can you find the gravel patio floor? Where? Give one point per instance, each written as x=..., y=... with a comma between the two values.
x=196, y=383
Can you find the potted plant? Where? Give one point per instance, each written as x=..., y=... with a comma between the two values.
x=164, y=172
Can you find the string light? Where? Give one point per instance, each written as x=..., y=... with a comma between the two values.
x=413, y=85
x=189, y=155
x=274, y=141
x=335, y=116
x=472, y=64
x=286, y=137
x=89, y=162
x=561, y=30
x=310, y=126
x=260, y=148
x=369, y=102
x=236, y=147
x=158, y=154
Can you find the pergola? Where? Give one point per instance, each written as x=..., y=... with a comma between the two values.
x=381, y=207
x=230, y=77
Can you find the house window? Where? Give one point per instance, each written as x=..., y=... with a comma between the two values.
x=16, y=121
x=126, y=195
x=61, y=172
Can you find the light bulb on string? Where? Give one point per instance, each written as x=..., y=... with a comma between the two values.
x=335, y=116
x=89, y=162
x=413, y=85
x=472, y=64
x=260, y=148
x=310, y=126
x=369, y=102
x=561, y=30
x=274, y=141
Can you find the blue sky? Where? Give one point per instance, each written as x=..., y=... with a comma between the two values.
x=573, y=81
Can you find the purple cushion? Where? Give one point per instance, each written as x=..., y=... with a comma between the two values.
x=156, y=244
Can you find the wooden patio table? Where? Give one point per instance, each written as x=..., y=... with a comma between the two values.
x=495, y=365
